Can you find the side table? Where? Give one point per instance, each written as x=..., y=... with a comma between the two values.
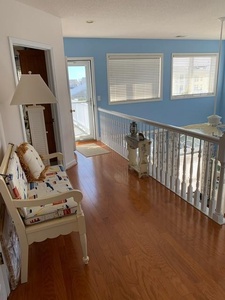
x=138, y=154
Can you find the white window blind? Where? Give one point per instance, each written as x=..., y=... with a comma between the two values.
x=134, y=77
x=194, y=75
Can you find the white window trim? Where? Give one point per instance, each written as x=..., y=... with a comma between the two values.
x=135, y=55
x=191, y=96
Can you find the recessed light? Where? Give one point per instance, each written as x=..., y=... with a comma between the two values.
x=90, y=21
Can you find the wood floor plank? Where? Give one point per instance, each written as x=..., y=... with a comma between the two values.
x=144, y=242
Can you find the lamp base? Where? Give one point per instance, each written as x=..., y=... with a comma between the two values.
x=37, y=128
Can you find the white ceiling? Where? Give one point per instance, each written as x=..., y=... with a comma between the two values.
x=154, y=19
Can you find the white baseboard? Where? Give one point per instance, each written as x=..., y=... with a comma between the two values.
x=71, y=164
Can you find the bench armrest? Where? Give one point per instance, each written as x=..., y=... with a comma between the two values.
x=76, y=194
x=57, y=155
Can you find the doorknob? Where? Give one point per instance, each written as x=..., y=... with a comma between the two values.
x=72, y=110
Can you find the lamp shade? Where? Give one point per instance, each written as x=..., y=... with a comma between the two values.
x=32, y=89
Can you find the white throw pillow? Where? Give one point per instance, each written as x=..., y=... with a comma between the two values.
x=31, y=162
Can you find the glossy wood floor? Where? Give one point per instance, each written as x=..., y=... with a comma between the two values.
x=143, y=241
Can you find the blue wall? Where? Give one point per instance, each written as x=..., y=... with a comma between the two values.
x=176, y=112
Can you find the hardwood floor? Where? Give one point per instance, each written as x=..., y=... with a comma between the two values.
x=144, y=242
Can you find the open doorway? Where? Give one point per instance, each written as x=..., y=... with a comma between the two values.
x=81, y=85
x=33, y=60
x=28, y=56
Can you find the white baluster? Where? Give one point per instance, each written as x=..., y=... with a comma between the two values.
x=172, y=178
x=167, y=175
x=219, y=212
x=154, y=153
x=183, y=184
x=212, y=201
x=177, y=182
x=190, y=187
x=162, y=171
x=158, y=155
x=150, y=153
x=205, y=195
x=197, y=191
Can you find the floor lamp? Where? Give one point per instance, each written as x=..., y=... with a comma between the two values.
x=33, y=91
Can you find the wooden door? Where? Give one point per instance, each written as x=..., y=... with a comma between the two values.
x=34, y=60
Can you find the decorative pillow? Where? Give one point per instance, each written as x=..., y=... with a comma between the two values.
x=16, y=178
x=31, y=162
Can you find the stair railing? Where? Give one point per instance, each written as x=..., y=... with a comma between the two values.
x=189, y=163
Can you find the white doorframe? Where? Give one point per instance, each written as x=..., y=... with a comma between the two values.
x=95, y=111
x=49, y=63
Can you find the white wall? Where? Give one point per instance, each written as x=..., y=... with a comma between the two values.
x=23, y=22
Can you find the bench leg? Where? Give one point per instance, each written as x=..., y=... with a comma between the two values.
x=24, y=262
x=83, y=240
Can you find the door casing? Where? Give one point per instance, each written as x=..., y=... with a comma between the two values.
x=49, y=59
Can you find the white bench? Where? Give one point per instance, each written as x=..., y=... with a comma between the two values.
x=40, y=210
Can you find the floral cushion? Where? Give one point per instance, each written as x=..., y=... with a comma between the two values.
x=16, y=178
x=31, y=162
x=56, y=181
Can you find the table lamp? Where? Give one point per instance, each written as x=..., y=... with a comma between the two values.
x=32, y=91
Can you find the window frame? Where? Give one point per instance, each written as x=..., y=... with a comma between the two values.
x=200, y=95
x=136, y=55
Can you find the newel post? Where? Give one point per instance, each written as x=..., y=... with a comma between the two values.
x=219, y=211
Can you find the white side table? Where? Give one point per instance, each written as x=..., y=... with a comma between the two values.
x=138, y=155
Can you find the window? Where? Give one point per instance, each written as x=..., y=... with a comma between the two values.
x=194, y=75
x=134, y=77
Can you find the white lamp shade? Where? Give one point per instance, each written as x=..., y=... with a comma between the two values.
x=32, y=89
